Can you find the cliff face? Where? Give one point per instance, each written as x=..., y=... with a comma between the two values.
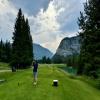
x=68, y=47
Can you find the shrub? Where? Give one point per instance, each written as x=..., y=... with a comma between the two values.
x=98, y=83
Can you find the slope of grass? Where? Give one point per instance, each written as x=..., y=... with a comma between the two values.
x=72, y=73
x=19, y=86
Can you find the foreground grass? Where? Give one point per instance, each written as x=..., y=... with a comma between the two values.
x=19, y=86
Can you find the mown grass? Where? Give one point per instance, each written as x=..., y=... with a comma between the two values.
x=19, y=86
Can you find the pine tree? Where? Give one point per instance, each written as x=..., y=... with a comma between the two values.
x=44, y=59
x=22, y=48
x=29, y=42
x=89, y=24
x=1, y=50
x=48, y=61
x=8, y=50
x=5, y=51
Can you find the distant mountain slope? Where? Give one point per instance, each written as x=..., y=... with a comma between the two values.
x=68, y=47
x=40, y=51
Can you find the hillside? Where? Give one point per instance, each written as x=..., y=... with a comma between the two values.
x=19, y=86
x=69, y=46
x=40, y=51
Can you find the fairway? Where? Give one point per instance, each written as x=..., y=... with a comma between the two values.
x=19, y=86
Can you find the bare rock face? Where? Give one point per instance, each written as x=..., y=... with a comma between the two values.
x=69, y=46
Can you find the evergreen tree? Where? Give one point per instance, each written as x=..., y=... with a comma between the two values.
x=69, y=61
x=8, y=50
x=5, y=51
x=89, y=24
x=1, y=50
x=22, y=48
x=44, y=59
x=48, y=61
x=57, y=59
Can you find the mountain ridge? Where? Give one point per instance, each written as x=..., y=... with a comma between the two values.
x=40, y=51
x=68, y=46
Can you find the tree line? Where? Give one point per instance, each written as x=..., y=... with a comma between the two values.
x=5, y=51
x=71, y=60
x=45, y=60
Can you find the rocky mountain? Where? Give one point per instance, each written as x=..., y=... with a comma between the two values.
x=68, y=47
x=40, y=52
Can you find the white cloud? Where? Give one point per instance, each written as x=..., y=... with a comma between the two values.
x=47, y=27
x=7, y=16
x=45, y=21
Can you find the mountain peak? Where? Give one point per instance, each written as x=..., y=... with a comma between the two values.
x=40, y=52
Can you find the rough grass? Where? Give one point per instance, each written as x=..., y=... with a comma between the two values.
x=19, y=86
x=4, y=66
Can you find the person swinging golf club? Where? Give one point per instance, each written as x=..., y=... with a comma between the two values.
x=35, y=67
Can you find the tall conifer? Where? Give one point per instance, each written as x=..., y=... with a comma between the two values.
x=22, y=48
x=89, y=24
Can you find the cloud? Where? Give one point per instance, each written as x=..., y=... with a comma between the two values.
x=59, y=18
x=50, y=20
x=30, y=6
x=45, y=22
x=7, y=16
x=45, y=26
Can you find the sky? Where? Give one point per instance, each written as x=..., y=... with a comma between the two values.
x=50, y=20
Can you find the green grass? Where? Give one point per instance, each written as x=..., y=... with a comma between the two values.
x=93, y=82
x=70, y=70
x=4, y=66
x=19, y=86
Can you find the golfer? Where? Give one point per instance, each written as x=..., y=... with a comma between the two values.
x=35, y=67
